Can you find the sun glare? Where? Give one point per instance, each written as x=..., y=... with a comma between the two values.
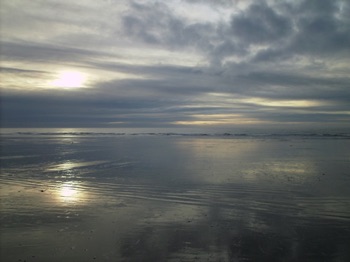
x=69, y=192
x=69, y=79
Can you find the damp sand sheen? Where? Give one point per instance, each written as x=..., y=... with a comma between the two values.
x=174, y=197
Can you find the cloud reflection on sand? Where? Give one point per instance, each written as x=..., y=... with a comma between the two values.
x=236, y=160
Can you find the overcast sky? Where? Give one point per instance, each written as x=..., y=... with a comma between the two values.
x=152, y=63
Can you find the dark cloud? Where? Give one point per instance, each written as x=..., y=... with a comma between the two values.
x=156, y=24
x=20, y=71
x=78, y=109
x=296, y=86
x=260, y=24
x=43, y=52
x=285, y=29
x=319, y=29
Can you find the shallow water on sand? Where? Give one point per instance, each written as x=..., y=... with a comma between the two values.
x=71, y=197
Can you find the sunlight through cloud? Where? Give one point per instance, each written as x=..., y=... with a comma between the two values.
x=69, y=79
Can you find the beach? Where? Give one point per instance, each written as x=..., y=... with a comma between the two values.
x=88, y=196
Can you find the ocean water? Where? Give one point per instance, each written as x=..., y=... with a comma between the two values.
x=89, y=195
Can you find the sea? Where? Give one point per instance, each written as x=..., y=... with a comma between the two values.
x=174, y=195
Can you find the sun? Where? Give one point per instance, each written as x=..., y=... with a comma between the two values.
x=69, y=79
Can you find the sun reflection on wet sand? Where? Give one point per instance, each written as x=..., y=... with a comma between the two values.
x=70, y=192
x=72, y=165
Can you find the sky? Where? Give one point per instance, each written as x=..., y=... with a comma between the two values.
x=175, y=63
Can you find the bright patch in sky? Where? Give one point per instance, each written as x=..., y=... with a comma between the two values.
x=69, y=79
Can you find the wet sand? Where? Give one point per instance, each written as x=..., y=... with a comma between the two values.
x=174, y=198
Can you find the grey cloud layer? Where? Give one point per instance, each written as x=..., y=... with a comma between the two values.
x=272, y=50
x=311, y=27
